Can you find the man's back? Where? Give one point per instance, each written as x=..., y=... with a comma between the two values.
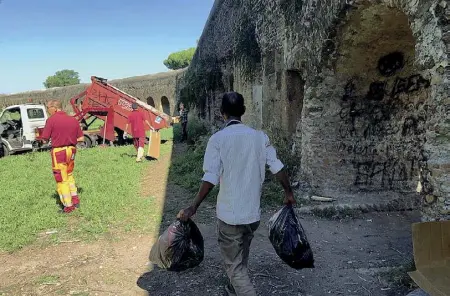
x=237, y=155
x=136, y=119
x=64, y=130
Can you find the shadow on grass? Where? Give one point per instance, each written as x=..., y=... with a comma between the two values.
x=130, y=155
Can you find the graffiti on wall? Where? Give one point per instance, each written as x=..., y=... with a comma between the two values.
x=382, y=131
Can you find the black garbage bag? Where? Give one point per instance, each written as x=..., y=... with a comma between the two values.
x=289, y=239
x=180, y=247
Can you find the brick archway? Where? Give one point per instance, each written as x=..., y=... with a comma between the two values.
x=151, y=102
x=165, y=105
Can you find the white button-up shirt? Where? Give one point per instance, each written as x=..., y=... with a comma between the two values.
x=236, y=156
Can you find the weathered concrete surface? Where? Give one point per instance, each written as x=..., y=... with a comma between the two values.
x=358, y=89
x=158, y=90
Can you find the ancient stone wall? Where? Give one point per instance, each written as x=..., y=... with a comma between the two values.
x=358, y=90
x=158, y=90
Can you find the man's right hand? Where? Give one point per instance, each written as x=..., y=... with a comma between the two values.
x=186, y=213
x=289, y=199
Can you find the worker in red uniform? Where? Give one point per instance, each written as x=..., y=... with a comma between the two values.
x=137, y=121
x=64, y=132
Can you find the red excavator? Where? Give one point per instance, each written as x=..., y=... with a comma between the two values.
x=103, y=101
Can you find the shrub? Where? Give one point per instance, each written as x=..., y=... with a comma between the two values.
x=283, y=143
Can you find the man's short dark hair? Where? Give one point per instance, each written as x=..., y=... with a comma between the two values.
x=134, y=106
x=232, y=104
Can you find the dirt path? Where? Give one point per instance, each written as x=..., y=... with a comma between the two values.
x=348, y=255
x=105, y=267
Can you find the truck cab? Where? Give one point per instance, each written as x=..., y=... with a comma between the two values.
x=18, y=126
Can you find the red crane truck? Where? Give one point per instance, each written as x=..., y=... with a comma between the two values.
x=103, y=101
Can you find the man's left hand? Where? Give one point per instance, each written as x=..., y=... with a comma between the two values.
x=289, y=199
x=186, y=213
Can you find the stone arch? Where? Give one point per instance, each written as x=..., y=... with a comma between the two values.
x=367, y=115
x=151, y=102
x=165, y=105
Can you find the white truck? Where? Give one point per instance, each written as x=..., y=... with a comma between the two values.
x=18, y=127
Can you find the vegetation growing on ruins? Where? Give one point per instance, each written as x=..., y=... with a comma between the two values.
x=244, y=51
x=247, y=50
x=180, y=59
x=64, y=77
x=193, y=90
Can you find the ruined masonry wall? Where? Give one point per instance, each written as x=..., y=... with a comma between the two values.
x=357, y=90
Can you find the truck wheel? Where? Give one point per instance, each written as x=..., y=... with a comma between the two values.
x=120, y=139
x=4, y=151
x=86, y=144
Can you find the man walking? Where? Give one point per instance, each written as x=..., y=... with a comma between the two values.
x=236, y=156
x=184, y=121
x=64, y=132
x=137, y=121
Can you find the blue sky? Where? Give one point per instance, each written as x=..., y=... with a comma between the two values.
x=106, y=38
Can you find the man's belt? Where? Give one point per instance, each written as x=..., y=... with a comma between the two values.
x=66, y=146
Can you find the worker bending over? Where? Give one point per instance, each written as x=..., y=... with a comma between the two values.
x=64, y=132
x=137, y=121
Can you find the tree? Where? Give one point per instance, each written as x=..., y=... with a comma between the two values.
x=180, y=59
x=62, y=78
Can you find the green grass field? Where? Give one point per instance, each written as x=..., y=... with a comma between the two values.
x=109, y=182
x=96, y=124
